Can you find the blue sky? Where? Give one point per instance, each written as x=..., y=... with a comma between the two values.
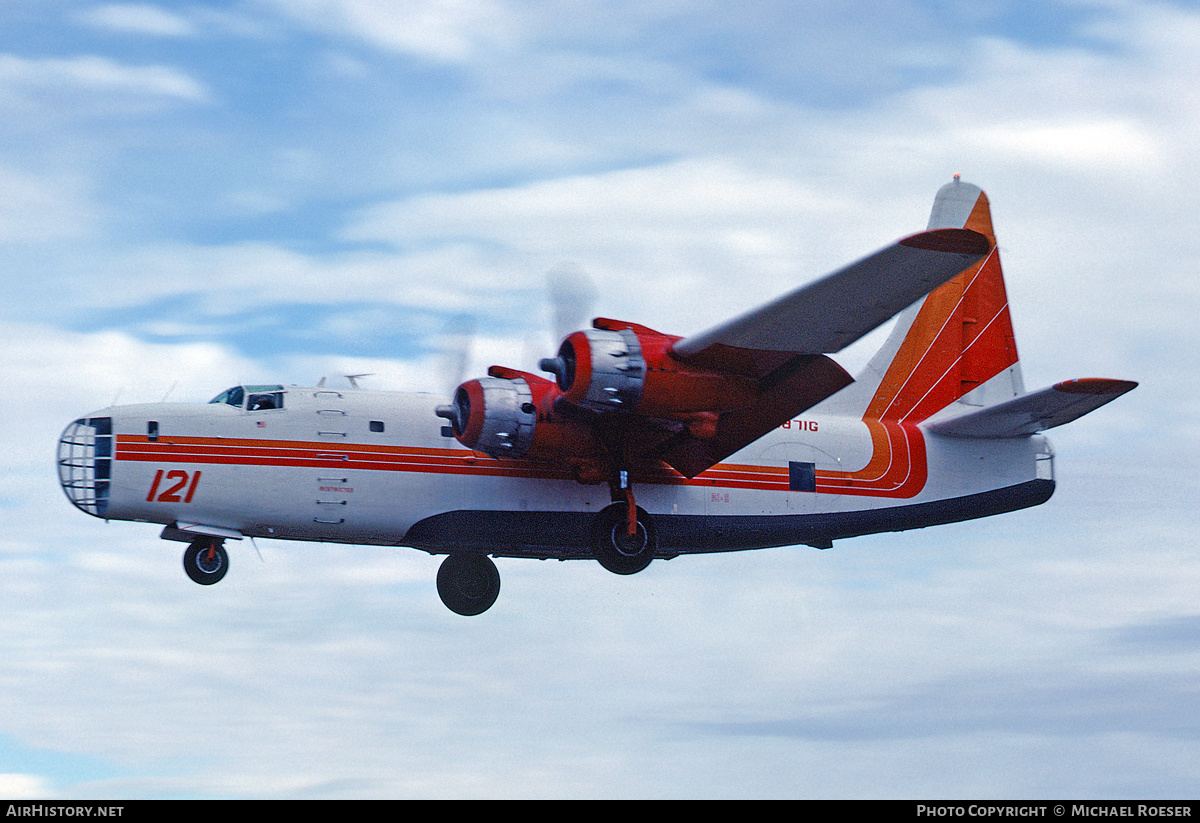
x=197, y=194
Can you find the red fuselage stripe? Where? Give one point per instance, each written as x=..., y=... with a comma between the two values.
x=303, y=454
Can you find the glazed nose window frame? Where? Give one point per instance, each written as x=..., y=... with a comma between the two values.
x=85, y=452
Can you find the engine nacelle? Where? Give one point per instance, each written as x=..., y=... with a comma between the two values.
x=600, y=369
x=511, y=415
x=494, y=415
x=626, y=368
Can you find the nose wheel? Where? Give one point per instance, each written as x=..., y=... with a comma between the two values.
x=468, y=583
x=205, y=560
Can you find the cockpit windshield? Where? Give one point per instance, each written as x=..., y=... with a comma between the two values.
x=252, y=398
x=231, y=397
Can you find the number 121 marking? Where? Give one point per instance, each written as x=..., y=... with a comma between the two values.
x=179, y=481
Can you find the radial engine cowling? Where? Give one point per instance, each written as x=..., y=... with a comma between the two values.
x=625, y=369
x=600, y=369
x=494, y=415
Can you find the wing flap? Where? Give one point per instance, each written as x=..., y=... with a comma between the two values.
x=1037, y=411
x=833, y=312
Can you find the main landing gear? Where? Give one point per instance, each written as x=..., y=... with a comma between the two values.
x=623, y=539
x=468, y=583
x=205, y=560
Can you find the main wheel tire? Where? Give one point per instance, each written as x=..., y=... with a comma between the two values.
x=468, y=583
x=616, y=549
x=205, y=561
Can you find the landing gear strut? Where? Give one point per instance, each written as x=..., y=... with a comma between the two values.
x=468, y=583
x=205, y=560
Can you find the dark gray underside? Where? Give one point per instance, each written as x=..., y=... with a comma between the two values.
x=565, y=535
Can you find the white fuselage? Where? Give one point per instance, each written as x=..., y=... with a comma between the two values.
x=369, y=467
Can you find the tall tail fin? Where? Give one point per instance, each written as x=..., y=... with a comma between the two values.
x=951, y=354
x=956, y=344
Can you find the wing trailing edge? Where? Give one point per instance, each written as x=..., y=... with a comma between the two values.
x=1036, y=411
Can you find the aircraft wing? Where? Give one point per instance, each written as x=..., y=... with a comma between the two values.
x=782, y=345
x=1037, y=411
x=626, y=395
x=830, y=314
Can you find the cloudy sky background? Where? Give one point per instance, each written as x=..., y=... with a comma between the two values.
x=197, y=194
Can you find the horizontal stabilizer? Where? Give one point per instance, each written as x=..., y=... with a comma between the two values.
x=1032, y=413
x=830, y=314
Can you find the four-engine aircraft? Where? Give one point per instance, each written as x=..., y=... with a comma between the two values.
x=639, y=445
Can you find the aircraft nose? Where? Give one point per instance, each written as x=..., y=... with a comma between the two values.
x=85, y=452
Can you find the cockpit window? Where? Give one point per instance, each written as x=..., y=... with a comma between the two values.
x=264, y=397
x=252, y=398
x=231, y=397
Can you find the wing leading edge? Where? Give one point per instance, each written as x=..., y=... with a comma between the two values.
x=835, y=311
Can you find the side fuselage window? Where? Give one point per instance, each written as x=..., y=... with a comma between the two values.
x=263, y=401
x=263, y=398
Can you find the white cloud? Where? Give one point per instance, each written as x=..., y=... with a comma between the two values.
x=1112, y=145
x=138, y=18
x=441, y=30
x=29, y=79
x=24, y=787
x=649, y=236
x=227, y=279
